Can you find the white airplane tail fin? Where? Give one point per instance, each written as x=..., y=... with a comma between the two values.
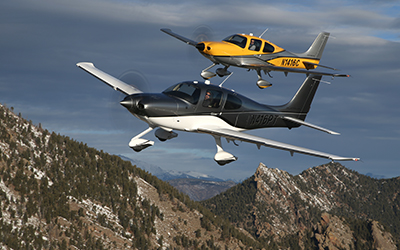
x=301, y=101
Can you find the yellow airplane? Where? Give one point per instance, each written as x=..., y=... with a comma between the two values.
x=255, y=53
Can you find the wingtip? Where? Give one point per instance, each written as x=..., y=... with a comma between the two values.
x=341, y=75
x=338, y=158
x=80, y=64
x=166, y=30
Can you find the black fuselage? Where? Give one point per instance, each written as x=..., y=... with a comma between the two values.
x=200, y=99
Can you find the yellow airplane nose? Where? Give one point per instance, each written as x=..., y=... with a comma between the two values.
x=218, y=48
x=200, y=46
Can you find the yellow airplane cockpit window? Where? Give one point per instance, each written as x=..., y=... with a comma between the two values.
x=237, y=40
x=268, y=48
x=255, y=45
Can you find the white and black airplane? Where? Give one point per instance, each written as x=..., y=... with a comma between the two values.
x=199, y=107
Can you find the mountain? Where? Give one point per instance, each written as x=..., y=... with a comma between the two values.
x=57, y=193
x=197, y=186
x=375, y=176
x=199, y=190
x=310, y=207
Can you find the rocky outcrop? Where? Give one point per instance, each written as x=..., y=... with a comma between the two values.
x=383, y=240
x=274, y=191
x=332, y=233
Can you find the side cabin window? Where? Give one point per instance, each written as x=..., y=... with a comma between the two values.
x=237, y=40
x=232, y=102
x=268, y=48
x=212, y=99
x=255, y=45
x=186, y=91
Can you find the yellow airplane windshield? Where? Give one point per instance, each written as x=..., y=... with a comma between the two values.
x=237, y=40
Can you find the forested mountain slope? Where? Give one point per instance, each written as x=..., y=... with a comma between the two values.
x=57, y=193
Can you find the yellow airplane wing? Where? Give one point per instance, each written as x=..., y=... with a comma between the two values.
x=304, y=71
x=179, y=37
x=260, y=64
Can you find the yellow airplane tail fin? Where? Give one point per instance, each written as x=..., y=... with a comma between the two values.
x=317, y=47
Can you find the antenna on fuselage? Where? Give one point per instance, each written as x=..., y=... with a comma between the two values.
x=322, y=81
x=263, y=32
x=225, y=79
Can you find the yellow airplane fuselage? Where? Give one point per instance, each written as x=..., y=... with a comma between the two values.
x=265, y=50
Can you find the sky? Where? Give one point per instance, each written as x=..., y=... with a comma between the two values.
x=41, y=42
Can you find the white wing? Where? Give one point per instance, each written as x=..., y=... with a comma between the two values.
x=259, y=141
x=310, y=125
x=108, y=79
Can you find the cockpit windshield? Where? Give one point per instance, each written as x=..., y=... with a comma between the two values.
x=237, y=40
x=185, y=90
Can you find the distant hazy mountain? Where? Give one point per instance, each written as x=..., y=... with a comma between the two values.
x=198, y=189
x=375, y=176
x=172, y=174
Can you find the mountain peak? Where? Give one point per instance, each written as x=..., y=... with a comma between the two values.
x=273, y=173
